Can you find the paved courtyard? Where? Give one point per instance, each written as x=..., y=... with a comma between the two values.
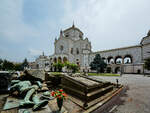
x=136, y=97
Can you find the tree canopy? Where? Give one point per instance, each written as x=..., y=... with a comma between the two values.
x=58, y=66
x=8, y=65
x=70, y=66
x=1, y=64
x=25, y=63
x=98, y=64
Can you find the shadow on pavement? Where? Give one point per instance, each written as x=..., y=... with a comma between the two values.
x=115, y=101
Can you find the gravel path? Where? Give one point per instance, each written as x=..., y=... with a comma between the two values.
x=136, y=99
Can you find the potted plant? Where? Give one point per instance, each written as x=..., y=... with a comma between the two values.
x=60, y=95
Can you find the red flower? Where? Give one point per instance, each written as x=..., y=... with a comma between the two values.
x=64, y=94
x=59, y=97
x=53, y=93
x=58, y=94
x=60, y=90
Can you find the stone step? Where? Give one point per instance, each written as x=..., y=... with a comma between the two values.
x=99, y=90
x=96, y=94
x=103, y=85
x=90, y=96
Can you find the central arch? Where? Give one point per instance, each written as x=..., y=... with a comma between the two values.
x=55, y=60
x=59, y=60
x=110, y=60
x=128, y=59
x=104, y=59
x=117, y=69
x=65, y=59
x=118, y=60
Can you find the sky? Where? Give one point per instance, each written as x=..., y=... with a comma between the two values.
x=29, y=27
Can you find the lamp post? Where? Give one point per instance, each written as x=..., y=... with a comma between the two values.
x=117, y=82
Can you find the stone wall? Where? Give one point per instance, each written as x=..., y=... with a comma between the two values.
x=133, y=51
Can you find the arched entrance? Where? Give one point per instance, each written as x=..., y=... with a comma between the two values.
x=117, y=70
x=138, y=71
x=104, y=59
x=59, y=60
x=55, y=60
x=110, y=60
x=118, y=60
x=127, y=59
x=65, y=59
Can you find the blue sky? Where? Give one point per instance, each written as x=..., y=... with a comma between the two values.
x=28, y=27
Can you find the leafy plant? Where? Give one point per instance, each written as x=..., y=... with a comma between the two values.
x=58, y=66
x=71, y=66
x=60, y=94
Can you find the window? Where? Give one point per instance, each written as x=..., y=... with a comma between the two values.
x=86, y=46
x=78, y=63
x=80, y=36
x=67, y=35
x=61, y=48
x=77, y=50
x=71, y=50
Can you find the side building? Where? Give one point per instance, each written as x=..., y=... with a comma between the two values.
x=42, y=62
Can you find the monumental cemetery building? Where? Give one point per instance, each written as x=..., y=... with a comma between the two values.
x=72, y=46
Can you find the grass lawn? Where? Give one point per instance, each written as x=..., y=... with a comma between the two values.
x=55, y=73
x=103, y=74
x=90, y=74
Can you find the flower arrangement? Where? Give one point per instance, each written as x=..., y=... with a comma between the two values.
x=59, y=94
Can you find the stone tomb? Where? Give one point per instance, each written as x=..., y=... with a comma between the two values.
x=86, y=91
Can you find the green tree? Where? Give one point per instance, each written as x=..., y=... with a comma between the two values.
x=67, y=64
x=71, y=66
x=147, y=63
x=1, y=64
x=74, y=67
x=25, y=63
x=18, y=67
x=108, y=69
x=58, y=66
x=98, y=64
x=7, y=65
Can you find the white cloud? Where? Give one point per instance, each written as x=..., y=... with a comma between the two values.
x=12, y=25
x=14, y=30
x=107, y=23
x=34, y=52
x=113, y=23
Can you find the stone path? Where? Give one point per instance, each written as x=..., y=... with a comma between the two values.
x=136, y=99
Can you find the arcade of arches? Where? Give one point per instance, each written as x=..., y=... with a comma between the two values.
x=127, y=59
x=119, y=64
x=59, y=59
